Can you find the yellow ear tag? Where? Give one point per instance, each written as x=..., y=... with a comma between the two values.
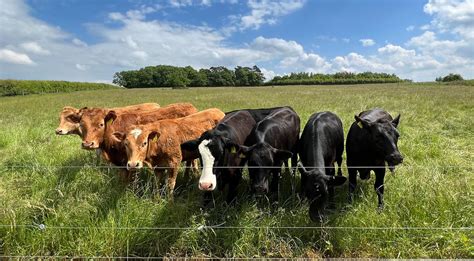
x=109, y=122
x=242, y=156
x=155, y=139
x=233, y=150
x=359, y=124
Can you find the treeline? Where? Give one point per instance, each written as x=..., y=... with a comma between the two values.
x=304, y=78
x=181, y=77
x=452, y=77
x=25, y=87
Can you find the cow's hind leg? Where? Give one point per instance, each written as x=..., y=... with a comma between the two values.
x=379, y=186
x=339, y=165
x=352, y=182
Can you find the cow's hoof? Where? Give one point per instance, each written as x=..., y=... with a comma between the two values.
x=380, y=208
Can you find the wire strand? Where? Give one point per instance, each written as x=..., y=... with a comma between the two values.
x=203, y=227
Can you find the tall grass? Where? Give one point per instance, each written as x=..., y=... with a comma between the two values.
x=432, y=188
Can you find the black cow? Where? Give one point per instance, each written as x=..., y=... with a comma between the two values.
x=216, y=154
x=372, y=141
x=274, y=140
x=320, y=146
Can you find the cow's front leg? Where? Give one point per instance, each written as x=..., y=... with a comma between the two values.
x=172, y=174
x=379, y=185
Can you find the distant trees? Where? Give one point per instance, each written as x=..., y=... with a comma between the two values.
x=450, y=78
x=304, y=78
x=180, y=77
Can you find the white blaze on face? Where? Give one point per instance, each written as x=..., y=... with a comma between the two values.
x=207, y=181
x=136, y=133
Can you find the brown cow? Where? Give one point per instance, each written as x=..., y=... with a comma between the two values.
x=70, y=117
x=113, y=150
x=158, y=144
x=92, y=124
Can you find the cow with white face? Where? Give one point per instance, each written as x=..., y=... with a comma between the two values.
x=221, y=164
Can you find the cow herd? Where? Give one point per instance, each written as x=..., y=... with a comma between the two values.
x=263, y=139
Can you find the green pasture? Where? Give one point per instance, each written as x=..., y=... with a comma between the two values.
x=87, y=211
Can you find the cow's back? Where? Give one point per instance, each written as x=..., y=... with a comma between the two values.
x=280, y=129
x=238, y=125
x=324, y=132
x=136, y=107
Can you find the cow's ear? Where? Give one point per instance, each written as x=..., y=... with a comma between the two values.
x=396, y=121
x=301, y=168
x=232, y=147
x=69, y=108
x=283, y=154
x=337, y=180
x=191, y=145
x=110, y=118
x=241, y=150
x=75, y=118
x=118, y=136
x=361, y=122
x=153, y=136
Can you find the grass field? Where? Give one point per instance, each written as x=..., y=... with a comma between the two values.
x=433, y=188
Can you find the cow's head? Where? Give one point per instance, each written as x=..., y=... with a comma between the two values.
x=261, y=158
x=384, y=137
x=316, y=188
x=137, y=142
x=92, y=127
x=69, y=120
x=213, y=147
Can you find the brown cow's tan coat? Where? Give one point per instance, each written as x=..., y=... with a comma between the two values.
x=92, y=123
x=159, y=144
x=113, y=150
x=70, y=117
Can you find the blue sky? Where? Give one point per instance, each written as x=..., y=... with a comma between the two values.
x=87, y=40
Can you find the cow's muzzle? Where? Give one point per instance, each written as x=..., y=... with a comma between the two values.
x=89, y=145
x=134, y=165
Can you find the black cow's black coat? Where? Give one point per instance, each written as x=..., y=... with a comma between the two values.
x=321, y=145
x=372, y=141
x=274, y=140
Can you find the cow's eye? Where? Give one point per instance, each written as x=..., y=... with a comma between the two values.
x=101, y=125
x=144, y=144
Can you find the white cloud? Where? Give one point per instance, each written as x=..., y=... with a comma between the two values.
x=131, y=41
x=453, y=16
x=79, y=42
x=10, y=56
x=34, y=47
x=354, y=62
x=410, y=28
x=267, y=11
x=367, y=42
x=269, y=74
x=81, y=67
